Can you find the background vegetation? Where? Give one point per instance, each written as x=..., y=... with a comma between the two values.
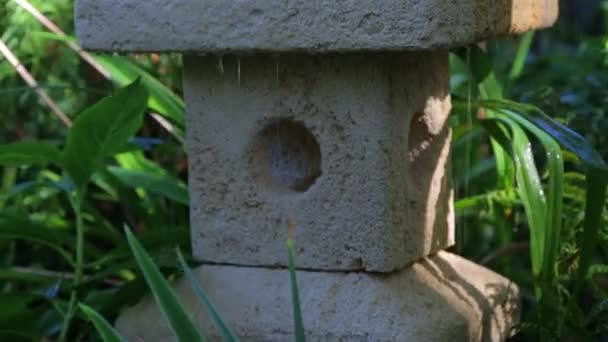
x=544, y=235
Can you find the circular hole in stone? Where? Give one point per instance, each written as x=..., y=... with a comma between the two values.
x=285, y=156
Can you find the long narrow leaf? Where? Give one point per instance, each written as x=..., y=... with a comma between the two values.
x=554, y=196
x=225, y=331
x=165, y=185
x=105, y=330
x=528, y=184
x=295, y=296
x=522, y=52
x=180, y=321
x=594, y=205
x=29, y=153
x=162, y=99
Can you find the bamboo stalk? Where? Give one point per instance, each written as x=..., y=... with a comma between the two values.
x=31, y=81
x=87, y=57
x=58, y=31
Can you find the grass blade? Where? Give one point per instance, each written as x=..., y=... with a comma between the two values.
x=554, y=195
x=295, y=296
x=597, y=181
x=522, y=52
x=105, y=330
x=227, y=333
x=529, y=185
x=181, y=323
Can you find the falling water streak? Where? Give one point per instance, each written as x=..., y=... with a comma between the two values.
x=220, y=65
x=277, y=114
x=238, y=70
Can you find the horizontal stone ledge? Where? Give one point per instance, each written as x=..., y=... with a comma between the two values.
x=440, y=298
x=241, y=26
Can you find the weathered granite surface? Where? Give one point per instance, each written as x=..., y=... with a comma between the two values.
x=442, y=298
x=219, y=26
x=353, y=147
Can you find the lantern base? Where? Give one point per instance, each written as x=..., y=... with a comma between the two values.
x=441, y=298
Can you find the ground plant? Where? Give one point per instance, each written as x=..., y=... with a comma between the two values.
x=94, y=201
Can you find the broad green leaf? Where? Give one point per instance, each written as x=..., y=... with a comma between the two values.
x=104, y=329
x=180, y=321
x=102, y=130
x=225, y=331
x=29, y=153
x=162, y=99
x=165, y=185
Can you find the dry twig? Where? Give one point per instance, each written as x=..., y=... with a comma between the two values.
x=31, y=81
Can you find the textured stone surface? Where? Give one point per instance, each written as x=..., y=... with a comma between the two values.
x=443, y=298
x=354, y=148
x=296, y=25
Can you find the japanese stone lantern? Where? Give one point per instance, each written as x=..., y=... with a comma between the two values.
x=331, y=114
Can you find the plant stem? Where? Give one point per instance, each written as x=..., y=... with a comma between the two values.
x=594, y=205
x=79, y=239
x=76, y=202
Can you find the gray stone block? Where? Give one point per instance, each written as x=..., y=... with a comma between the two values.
x=442, y=298
x=218, y=26
x=354, y=148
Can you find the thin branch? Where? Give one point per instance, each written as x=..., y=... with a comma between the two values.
x=60, y=274
x=166, y=125
x=31, y=81
x=87, y=57
x=58, y=31
x=513, y=248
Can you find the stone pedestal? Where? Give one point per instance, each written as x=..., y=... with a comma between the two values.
x=440, y=298
x=332, y=114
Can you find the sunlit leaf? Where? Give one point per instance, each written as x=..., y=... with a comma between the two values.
x=102, y=130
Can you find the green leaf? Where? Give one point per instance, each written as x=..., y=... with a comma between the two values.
x=162, y=99
x=522, y=52
x=105, y=330
x=564, y=135
x=181, y=323
x=165, y=185
x=227, y=333
x=554, y=195
x=295, y=295
x=596, y=184
x=102, y=130
x=29, y=153
x=530, y=189
x=21, y=316
x=15, y=228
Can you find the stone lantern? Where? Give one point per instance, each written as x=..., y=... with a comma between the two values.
x=331, y=115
